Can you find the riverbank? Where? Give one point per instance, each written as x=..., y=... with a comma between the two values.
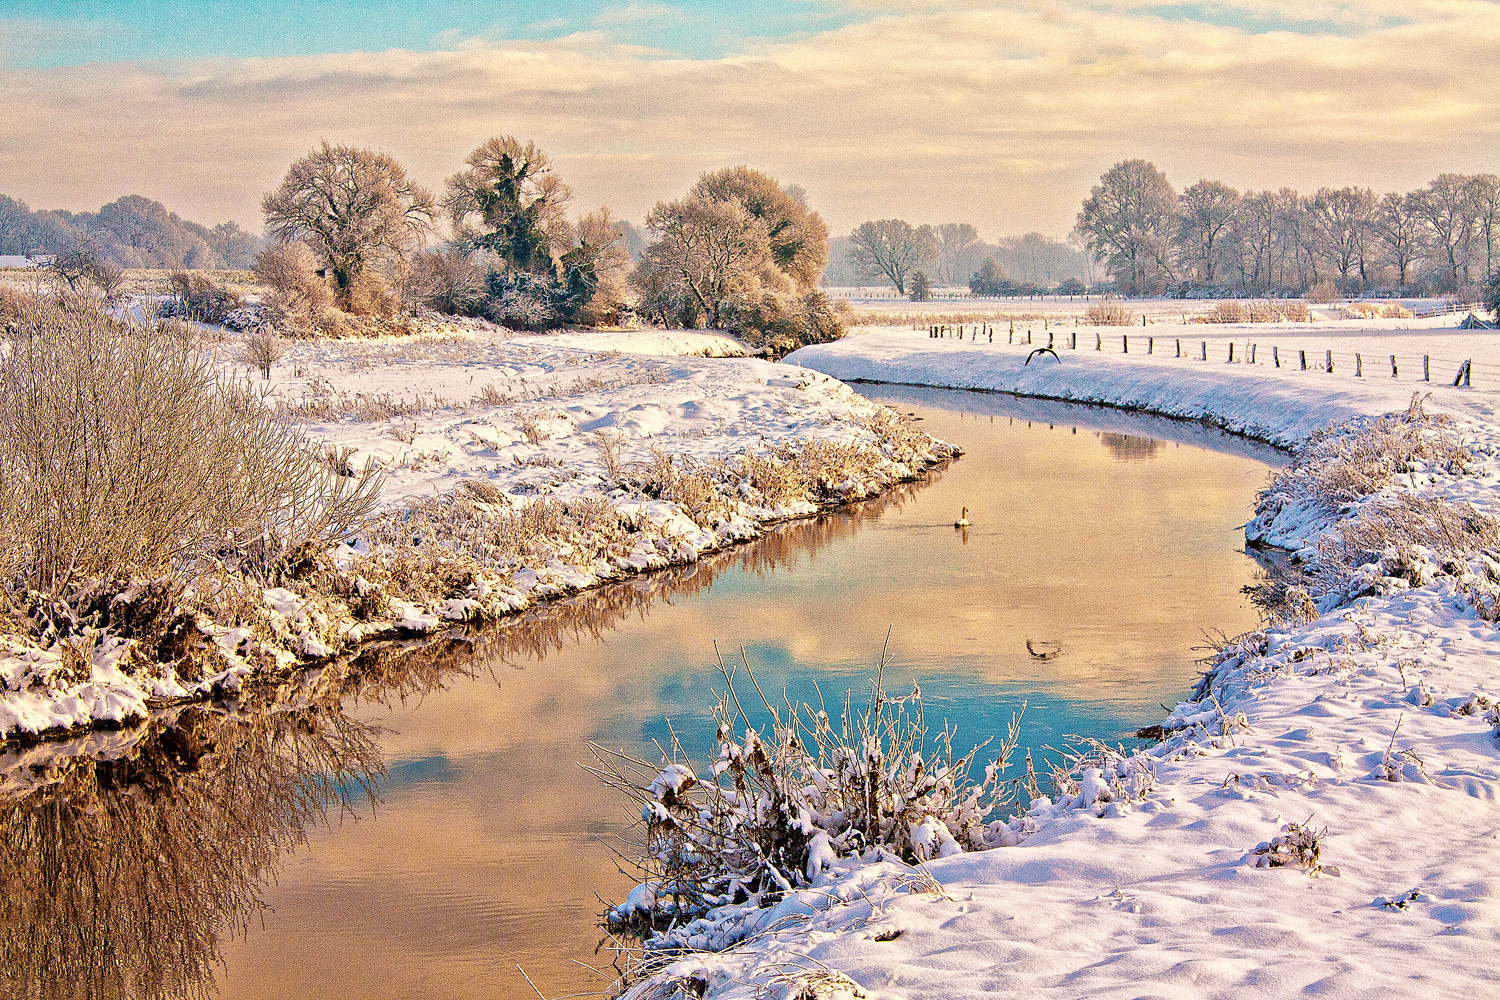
x=1319, y=818
x=513, y=468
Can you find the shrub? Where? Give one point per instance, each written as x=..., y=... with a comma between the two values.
x=449, y=281
x=1072, y=286
x=124, y=453
x=1108, y=313
x=782, y=322
x=1323, y=292
x=261, y=348
x=1225, y=312
x=1492, y=294
x=198, y=298
x=779, y=804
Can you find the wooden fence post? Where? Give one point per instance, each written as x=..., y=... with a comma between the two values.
x=1073, y=341
x=1275, y=356
x=1359, y=366
x=1098, y=341
x=1205, y=350
x=1329, y=369
x=1179, y=347
x=1426, y=376
x=1150, y=344
x=1231, y=352
x=1028, y=338
x=1252, y=354
x=1302, y=355
x=1125, y=343
x=1393, y=366
x=1462, y=378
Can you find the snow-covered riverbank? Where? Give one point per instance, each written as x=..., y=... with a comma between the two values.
x=513, y=468
x=1321, y=819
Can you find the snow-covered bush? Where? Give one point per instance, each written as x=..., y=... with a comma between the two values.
x=1296, y=846
x=123, y=453
x=779, y=804
x=1108, y=313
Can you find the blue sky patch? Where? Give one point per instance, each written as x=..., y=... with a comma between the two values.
x=71, y=32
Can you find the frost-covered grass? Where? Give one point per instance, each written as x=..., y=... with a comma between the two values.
x=379, y=487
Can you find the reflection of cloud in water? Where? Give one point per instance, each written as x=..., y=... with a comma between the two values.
x=1128, y=447
x=484, y=855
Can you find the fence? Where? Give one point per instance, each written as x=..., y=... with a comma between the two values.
x=1400, y=366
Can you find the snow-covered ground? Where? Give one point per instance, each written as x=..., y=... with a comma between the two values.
x=1370, y=731
x=513, y=468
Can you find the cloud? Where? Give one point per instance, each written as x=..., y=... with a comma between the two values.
x=1003, y=116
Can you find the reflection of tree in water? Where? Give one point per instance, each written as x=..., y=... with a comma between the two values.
x=128, y=857
x=1128, y=447
x=121, y=872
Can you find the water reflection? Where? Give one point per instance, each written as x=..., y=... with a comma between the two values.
x=131, y=858
x=486, y=843
x=124, y=867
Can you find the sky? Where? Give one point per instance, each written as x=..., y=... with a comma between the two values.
x=1002, y=114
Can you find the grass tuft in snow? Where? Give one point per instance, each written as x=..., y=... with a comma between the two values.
x=779, y=804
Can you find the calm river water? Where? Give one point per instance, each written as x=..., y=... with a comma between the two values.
x=480, y=844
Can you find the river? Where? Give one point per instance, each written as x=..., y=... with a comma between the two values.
x=425, y=828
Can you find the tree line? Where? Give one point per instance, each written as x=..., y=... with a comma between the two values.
x=354, y=236
x=952, y=253
x=130, y=232
x=1212, y=239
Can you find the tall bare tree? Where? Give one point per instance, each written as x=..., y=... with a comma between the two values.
x=1398, y=228
x=1339, y=220
x=1485, y=191
x=1447, y=207
x=957, y=243
x=1129, y=222
x=893, y=248
x=354, y=208
x=1209, y=210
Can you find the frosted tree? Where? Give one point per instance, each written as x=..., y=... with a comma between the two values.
x=1129, y=222
x=1209, y=211
x=893, y=248
x=355, y=209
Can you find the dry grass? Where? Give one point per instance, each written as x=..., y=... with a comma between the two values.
x=1109, y=314
x=123, y=453
x=1269, y=311
x=924, y=318
x=1337, y=467
x=791, y=791
x=1225, y=312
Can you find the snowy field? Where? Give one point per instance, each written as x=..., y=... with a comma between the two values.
x=512, y=468
x=1320, y=821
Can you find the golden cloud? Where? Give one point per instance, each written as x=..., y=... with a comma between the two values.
x=1003, y=116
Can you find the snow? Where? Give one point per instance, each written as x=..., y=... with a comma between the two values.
x=519, y=418
x=1322, y=821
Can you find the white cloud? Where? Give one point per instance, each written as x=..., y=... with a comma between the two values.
x=1001, y=116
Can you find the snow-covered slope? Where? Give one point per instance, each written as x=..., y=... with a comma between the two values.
x=1369, y=732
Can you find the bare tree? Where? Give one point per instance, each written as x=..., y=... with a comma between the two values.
x=705, y=252
x=1485, y=191
x=355, y=208
x=1208, y=210
x=957, y=242
x=1339, y=221
x=1446, y=206
x=797, y=234
x=600, y=260
x=893, y=248
x=1129, y=221
x=510, y=201
x=1398, y=228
